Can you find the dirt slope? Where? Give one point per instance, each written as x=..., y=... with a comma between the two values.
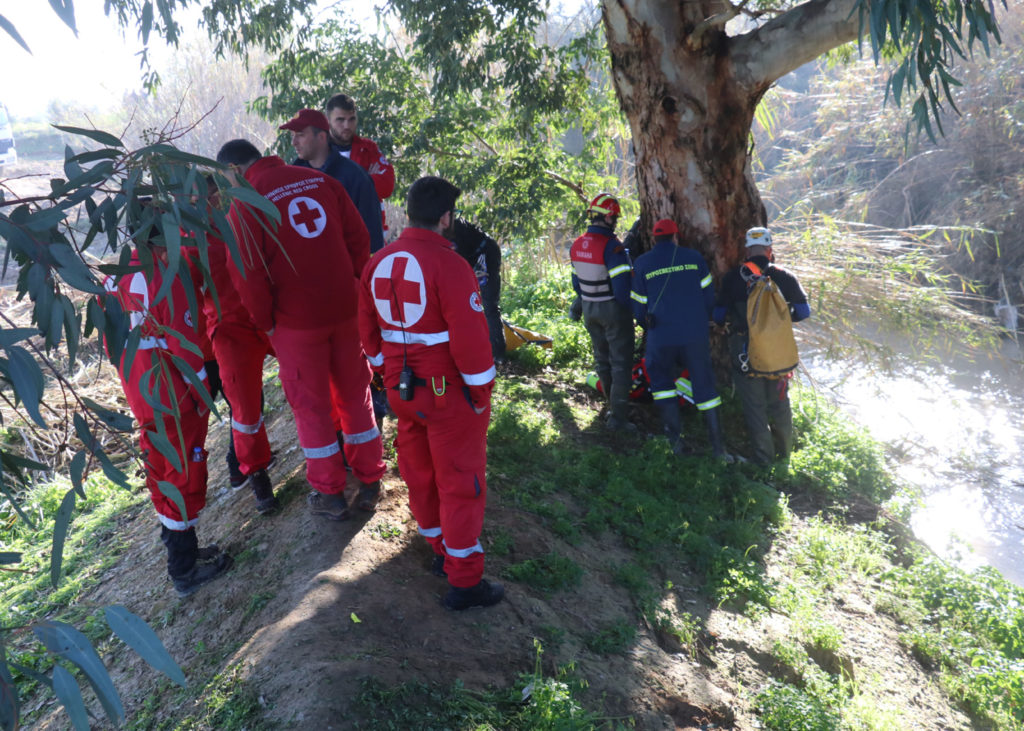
x=312, y=608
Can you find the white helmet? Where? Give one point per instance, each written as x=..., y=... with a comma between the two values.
x=759, y=237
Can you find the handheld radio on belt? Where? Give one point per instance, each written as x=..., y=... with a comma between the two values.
x=406, y=379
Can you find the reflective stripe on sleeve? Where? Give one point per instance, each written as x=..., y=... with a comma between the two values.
x=149, y=343
x=479, y=379
x=321, y=452
x=709, y=404
x=463, y=552
x=376, y=360
x=177, y=524
x=616, y=271
x=247, y=428
x=659, y=395
x=428, y=532
x=362, y=437
x=705, y=282
x=400, y=337
x=641, y=298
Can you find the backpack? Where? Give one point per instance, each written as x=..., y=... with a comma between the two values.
x=771, y=348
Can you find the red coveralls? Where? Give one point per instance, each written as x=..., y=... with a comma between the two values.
x=239, y=348
x=300, y=283
x=420, y=305
x=366, y=153
x=153, y=360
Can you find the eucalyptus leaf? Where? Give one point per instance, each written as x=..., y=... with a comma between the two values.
x=65, y=687
x=140, y=637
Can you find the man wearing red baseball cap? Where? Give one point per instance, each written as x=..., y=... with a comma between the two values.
x=312, y=142
x=673, y=297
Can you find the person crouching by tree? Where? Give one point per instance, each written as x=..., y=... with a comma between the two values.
x=168, y=333
x=422, y=323
x=673, y=296
x=762, y=353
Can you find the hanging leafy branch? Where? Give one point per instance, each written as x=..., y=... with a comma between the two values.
x=64, y=244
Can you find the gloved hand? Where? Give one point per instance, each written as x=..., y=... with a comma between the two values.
x=213, y=376
x=576, y=309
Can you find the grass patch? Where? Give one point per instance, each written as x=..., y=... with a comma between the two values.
x=549, y=573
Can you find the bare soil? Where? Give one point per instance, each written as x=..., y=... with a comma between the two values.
x=313, y=608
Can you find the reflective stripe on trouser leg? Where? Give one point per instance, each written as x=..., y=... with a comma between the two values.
x=702, y=375
x=191, y=482
x=442, y=455
x=240, y=351
x=416, y=466
x=304, y=358
x=350, y=393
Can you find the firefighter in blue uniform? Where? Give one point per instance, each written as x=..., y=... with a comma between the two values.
x=673, y=298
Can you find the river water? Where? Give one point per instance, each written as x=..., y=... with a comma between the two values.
x=957, y=432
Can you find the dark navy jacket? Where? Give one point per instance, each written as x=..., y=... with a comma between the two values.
x=359, y=186
x=732, y=300
x=672, y=285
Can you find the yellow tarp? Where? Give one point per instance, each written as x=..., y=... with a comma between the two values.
x=516, y=336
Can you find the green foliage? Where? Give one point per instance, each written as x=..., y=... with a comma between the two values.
x=834, y=455
x=928, y=38
x=485, y=95
x=548, y=573
x=537, y=702
x=973, y=631
x=612, y=639
x=784, y=707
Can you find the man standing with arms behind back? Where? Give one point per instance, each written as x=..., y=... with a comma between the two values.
x=601, y=276
x=341, y=113
x=300, y=286
x=422, y=323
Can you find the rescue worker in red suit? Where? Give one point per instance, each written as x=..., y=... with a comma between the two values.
x=422, y=323
x=161, y=325
x=341, y=113
x=300, y=287
x=601, y=271
x=239, y=348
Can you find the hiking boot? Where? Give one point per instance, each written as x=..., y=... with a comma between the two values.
x=484, y=594
x=369, y=494
x=200, y=574
x=437, y=566
x=208, y=553
x=237, y=480
x=620, y=425
x=263, y=491
x=332, y=507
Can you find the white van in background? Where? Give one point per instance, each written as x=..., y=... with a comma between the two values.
x=8, y=155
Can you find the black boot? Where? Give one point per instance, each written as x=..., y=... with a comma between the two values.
x=189, y=566
x=715, y=433
x=235, y=476
x=484, y=594
x=668, y=410
x=263, y=491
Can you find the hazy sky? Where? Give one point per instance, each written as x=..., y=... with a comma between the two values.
x=94, y=69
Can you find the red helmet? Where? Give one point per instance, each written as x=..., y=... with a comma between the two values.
x=604, y=205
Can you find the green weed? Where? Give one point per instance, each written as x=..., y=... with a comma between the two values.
x=549, y=573
x=612, y=639
x=784, y=707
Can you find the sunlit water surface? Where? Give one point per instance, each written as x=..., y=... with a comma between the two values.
x=958, y=434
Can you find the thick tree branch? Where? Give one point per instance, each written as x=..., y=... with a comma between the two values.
x=718, y=20
x=792, y=39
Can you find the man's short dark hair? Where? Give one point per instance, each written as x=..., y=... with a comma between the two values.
x=341, y=101
x=662, y=239
x=430, y=198
x=238, y=152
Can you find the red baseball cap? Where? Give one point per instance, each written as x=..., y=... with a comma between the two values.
x=665, y=227
x=306, y=118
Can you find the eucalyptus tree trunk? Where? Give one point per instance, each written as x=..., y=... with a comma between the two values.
x=690, y=91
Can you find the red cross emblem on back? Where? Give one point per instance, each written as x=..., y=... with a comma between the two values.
x=307, y=217
x=398, y=289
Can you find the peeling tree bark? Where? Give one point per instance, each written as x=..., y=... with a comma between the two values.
x=690, y=101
